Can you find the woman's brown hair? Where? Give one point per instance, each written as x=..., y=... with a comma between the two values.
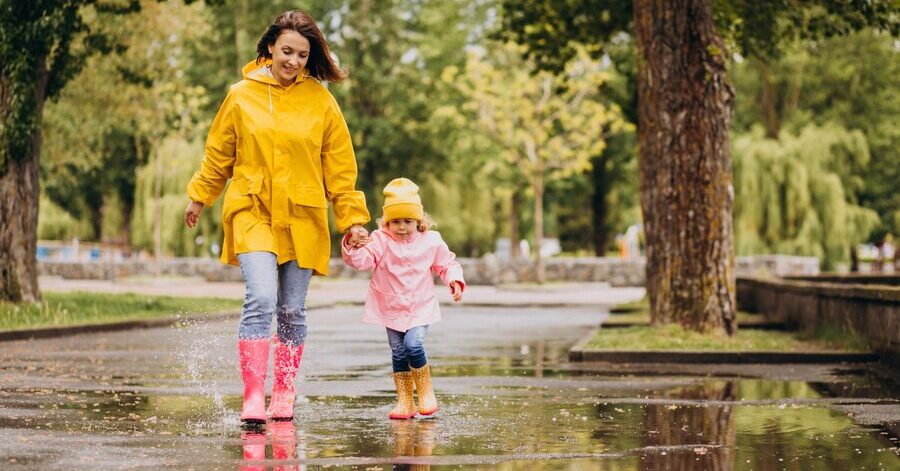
x=320, y=64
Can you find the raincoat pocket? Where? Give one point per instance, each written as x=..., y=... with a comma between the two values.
x=248, y=184
x=311, y=209
x=313, y=197
x=388, y=305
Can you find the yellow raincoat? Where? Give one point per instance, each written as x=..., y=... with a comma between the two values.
x=288, y=152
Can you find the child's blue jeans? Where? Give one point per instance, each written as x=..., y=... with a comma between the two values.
x=273, y=288
x=406, y=348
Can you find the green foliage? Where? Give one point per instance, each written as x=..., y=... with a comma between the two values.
x=544, y=126
x=180, y=159
x=853, y=81
x=764, y=29
x=594, y=206
x=89, y=151
x=395, y=102
x=109, y=119
x=395, y=52
x=56, y=223
x=553, y=30
x=36, y=60
x=794, y=195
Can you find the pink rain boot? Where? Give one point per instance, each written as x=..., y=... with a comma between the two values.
x=254, y=355
x=287, y=362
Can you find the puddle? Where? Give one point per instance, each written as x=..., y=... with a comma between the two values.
x=512, y=402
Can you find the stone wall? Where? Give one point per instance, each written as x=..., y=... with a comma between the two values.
x=487, y=270
x=853, y=278
x=777, y=265
x=868, y=309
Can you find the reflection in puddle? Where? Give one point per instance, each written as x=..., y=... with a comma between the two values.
x=674, y=426
x=282, y=438
x=413, y=439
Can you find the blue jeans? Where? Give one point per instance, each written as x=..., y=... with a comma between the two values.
x=406, y=348
x=273, y=288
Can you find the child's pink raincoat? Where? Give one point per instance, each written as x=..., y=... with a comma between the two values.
x=401, y=293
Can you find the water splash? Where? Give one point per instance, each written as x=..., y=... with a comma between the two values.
x=202, y=355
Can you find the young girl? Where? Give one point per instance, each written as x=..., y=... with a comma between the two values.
x=402, y=253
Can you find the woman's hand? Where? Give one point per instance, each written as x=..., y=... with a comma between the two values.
x=456, y=291
x=192, y=213
x=359, y=236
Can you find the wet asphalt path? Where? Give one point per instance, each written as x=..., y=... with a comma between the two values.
x=169, y=398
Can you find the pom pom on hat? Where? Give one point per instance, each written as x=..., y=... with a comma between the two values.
x=401, y=200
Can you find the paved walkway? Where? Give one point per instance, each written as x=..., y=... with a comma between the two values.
x=327, y=291
x=168, y=398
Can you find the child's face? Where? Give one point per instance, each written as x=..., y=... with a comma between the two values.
x=402, y=228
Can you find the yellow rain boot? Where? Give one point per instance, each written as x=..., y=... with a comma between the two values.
x=405, y=408
x=427, y=402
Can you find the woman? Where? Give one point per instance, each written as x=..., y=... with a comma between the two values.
x=282, y=139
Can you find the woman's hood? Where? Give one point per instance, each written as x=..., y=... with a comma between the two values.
x=260, y=72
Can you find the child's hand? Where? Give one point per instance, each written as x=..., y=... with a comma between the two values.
x=361, y=241
x=456, y=290
x=359, y=236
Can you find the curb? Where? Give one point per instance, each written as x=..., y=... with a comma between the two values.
x=575, y=353
x=579, y=354
x=548, y=305
x=63, y=331
x=743, y=325
x=661, y=356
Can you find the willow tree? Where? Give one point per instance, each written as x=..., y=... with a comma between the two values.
x=795, y=194
x=684, y=112
x=546, y=125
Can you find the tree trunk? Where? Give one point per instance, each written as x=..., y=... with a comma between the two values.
x=768, y=100
x=240, y=35
x=515, y=208
x=684, y=112
x=599, y=205
x=19, y=197
x=538, y=183
x=157, y=209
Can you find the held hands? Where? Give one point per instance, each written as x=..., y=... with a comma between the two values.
x=456, y=290
x=359, y=236
x=192, y=213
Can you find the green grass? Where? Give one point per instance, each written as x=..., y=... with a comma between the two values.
x=79, y=308
x=674, y=337
x=642, y=304
x=643, y=317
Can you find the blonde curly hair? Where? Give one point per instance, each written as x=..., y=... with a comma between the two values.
x=423, y=225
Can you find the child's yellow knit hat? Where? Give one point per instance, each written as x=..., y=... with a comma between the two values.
x=401, y=201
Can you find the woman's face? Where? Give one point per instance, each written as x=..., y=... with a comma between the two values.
x=290, y=53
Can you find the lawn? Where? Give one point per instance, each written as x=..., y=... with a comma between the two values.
x=638, y=312
x=643, y=317
x=80, y=308
x=674, y=337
